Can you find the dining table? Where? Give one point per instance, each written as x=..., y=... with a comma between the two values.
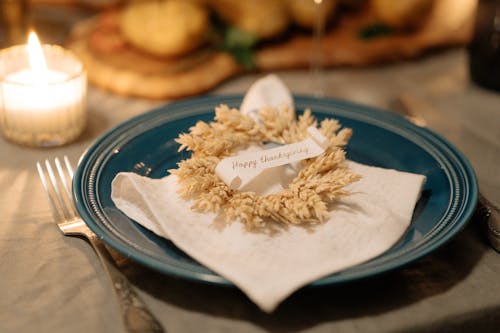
x=52, y=283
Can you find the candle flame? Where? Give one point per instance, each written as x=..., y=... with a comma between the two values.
x=37, y=61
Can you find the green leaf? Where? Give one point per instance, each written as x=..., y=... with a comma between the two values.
x=237, y=38
x=374, y=31
x=244, y=57
x=240, y=44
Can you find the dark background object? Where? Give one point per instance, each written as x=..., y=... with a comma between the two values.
x=484, y=49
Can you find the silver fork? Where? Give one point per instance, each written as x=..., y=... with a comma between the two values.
x=136, y=317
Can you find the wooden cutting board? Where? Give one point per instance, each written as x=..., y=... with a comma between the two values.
x=115, y=66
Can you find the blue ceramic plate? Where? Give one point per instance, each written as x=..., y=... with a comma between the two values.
x=145, y=145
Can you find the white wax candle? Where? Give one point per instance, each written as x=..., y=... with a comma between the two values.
x=42, y=105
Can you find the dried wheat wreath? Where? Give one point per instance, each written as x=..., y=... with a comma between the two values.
x=320, y=181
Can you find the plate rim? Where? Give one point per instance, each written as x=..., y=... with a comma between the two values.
x=362, y=111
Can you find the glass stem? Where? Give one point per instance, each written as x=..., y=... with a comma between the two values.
x=317, y=50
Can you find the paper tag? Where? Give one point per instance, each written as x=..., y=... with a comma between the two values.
x=237, y=171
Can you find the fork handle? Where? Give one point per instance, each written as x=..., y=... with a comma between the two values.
x=136, y=317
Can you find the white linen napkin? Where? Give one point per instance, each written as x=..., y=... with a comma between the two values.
x=268, y=267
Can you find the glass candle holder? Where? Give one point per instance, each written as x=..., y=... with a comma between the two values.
x=45, y=113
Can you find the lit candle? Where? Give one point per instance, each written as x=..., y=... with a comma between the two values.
x=42, y=94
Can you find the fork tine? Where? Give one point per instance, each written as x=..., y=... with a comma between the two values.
x=68, y=166
x=66, y=185
x=66, y=182
x=57, y=188
x=52, y=201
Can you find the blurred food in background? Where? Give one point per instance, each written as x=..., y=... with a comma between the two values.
x=177, y=48
x=95, y=4
x=164, y=28
x=402, y=14
x=262, y=18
